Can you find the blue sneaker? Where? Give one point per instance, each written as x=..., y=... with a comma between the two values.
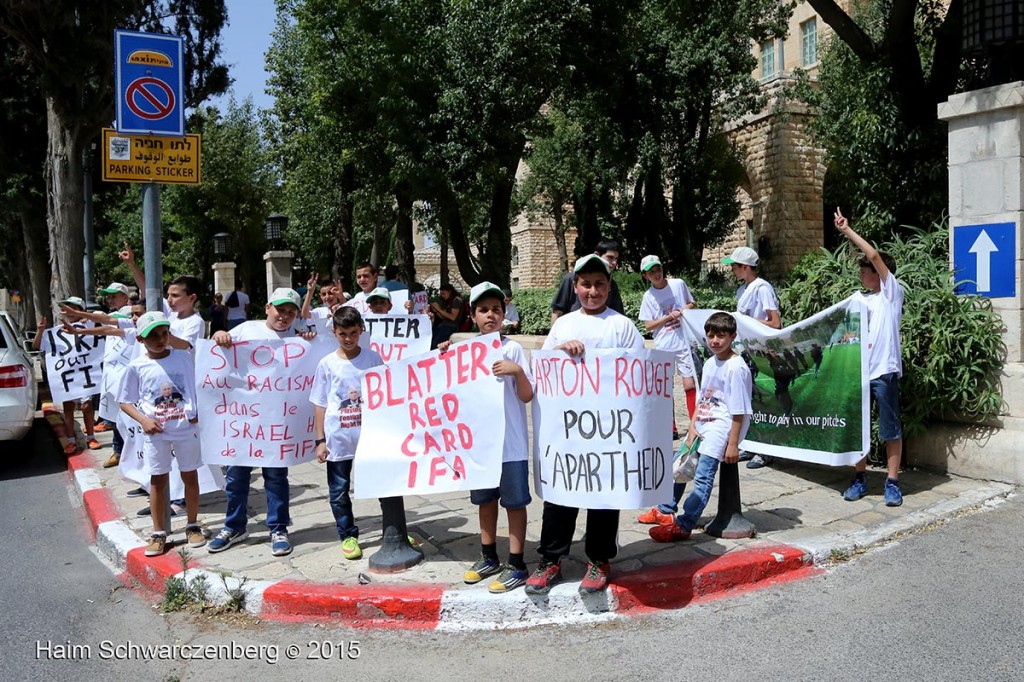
x=279, y=543
x=857, y=490
x=510, y=579
x=226, y=538
x=893, y=494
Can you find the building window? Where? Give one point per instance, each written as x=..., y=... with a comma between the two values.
x=515, y=284
x=768, y=59
x=809, y=42
x=515, y=256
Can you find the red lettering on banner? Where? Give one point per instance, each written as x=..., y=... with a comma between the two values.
x=406, y=450
x=450, y=404
x=236, y=409
x=412, y=473
x=216, y=352
x=636, y=377
x=215, y=382
x=439, y=467
x=374, y=396
x=415, y=421
x=415, y=391
x=268, y=351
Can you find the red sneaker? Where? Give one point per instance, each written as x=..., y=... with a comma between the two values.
x=596, y=579
x=653, y=516
x=547, y=574
x=670, y=533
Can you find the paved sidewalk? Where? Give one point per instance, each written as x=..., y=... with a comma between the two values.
x=801, y=519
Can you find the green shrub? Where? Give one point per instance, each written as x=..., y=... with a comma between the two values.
x=952, y=345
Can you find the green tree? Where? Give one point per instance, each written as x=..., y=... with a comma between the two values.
x=68, y=45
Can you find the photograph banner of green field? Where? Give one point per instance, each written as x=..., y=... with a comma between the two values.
x=811, y=389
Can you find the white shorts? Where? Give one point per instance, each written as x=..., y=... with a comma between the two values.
x=157, y=455
x=684, y=364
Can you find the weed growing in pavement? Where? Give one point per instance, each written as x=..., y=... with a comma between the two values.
x=236, y=595
x=183, y=592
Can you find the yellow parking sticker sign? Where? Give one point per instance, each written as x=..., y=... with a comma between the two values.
x=151, y=158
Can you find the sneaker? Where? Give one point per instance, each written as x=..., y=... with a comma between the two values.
x=350, y=549
x=138, y=492
x=157, y=545
x=71, y=448
x=484, y=567
x=893, y=493
x=92, y=443
x=279, y=543
x=510, y=579
x=596, y=579
x=226, y=538
x=194, y=536
x=112, y=461
x=670, y=533
x=543, y=579
x=857, y=490
x=654, y=516
x=759, y=461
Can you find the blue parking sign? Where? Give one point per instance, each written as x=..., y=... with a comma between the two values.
x=150, y=83
x=984, y=259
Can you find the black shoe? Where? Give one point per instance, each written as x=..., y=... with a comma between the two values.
x=138, y=492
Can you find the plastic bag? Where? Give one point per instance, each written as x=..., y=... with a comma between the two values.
x=685, y=464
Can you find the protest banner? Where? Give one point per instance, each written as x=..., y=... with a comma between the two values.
x=811, y=397
x=602, y=428
x=433, y=423
x=420, y=303
x=132, y=466
x=117, y=353
x=396, y=337
x=74, y=364
x=254, y=407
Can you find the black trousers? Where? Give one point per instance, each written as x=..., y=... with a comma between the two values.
x=559, y=523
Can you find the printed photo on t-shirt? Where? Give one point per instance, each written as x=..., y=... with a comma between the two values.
x=351, y=407
x=169, y=405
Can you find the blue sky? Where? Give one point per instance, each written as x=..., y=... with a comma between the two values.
x=243, y=42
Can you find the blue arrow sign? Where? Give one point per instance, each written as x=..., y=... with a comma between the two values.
x=984, y=259
x=150, y=78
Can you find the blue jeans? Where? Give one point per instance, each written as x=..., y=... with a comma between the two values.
x=677, y=494
x=703, y=482
x=339, y=477
x=886, y=392
x=275, y=485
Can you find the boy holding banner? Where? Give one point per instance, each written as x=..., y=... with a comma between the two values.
x=594, y=325
x=756, y=298
x=661, y=311
x=487, y=305
x=187, y=325
x=885, y=359
x=720, y=421
x=338, y=419
x=282, y=311
x=159, y=392
x=73, y=311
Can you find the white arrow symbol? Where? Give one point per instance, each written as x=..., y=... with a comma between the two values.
x=984, y=248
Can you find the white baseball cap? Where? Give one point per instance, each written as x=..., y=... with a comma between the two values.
x=284, y=295
x=649, y=262
x=74, y=300
x=743, y=255
x=151, y=320
x=379, y=292
x=592, y=257
x=115, y=288
x=479, y=290
x=123, y=313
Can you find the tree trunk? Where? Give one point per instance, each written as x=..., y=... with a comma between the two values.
x=404, y=246
x=342, y=267
x=557, y=212
x=33, y=229
x=64, y=205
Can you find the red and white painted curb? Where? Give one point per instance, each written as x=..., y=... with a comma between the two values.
x=435, y=606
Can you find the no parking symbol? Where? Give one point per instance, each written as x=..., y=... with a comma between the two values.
x=150, y=83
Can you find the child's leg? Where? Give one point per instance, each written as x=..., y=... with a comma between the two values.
x=69, y=418
x=191, y=481
x=515, y=497
x=516, y=530
x=88, y=418
x=893, y=454
x=339, y=478
x=703, y=481
x=488, y=513
x=158, y=484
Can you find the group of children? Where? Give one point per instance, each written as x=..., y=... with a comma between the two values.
x=158, y=391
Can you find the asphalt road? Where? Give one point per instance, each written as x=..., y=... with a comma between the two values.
x=942, y=605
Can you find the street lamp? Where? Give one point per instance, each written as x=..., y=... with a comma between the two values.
x=276, y=225
x=222, y=244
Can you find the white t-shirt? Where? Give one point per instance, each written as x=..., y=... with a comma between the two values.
x=163, y=390
x=724, y=391
x=605, y=330
x=756, y=299
x=657, y=303
x=191, y=328
x=517, y=444
x=321, y=313
x=238, y=312
x=337, y=388
x=885, y=312
x=257, y=330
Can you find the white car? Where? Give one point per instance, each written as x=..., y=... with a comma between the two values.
x=18, y=389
